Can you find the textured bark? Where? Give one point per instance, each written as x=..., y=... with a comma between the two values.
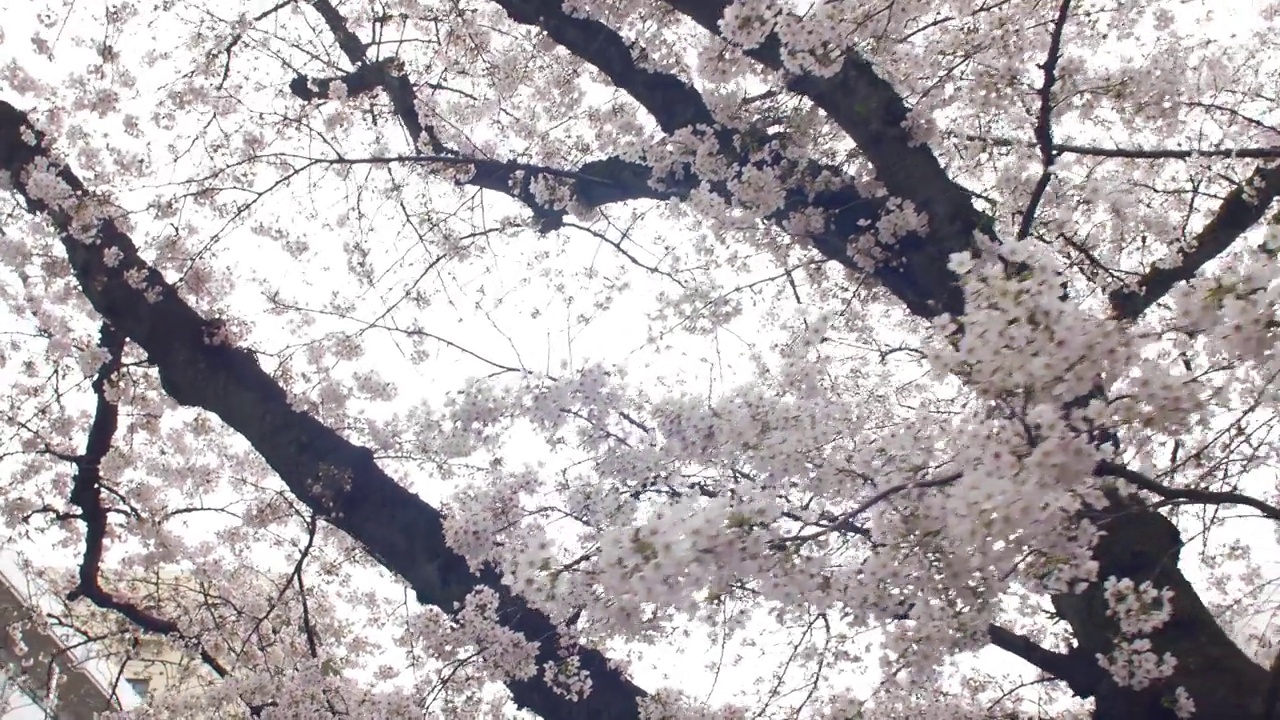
x=869, y=109
x=337, y=479
x=874, y=115
x=1141, y=543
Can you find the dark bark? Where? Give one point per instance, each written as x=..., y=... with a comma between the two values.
x=869, y=109
x=1142, y=544
x=874, y=115
x=336, y=479
x=405, y=534
x=1082, y=674
x=364, y=79
x=1241, y=210
x=674, y=104
x=1218, y=675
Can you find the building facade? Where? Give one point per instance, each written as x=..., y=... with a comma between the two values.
x=41, y=676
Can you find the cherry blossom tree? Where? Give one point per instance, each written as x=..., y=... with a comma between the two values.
x=934, y=340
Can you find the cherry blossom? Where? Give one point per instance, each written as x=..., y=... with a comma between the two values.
x=648, y=358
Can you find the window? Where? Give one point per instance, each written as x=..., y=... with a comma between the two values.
x=139, y=686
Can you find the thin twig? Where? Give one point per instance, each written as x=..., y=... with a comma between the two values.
x=1107, y=468
x=1044, y=120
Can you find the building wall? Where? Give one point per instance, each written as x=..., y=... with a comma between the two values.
x=31, y=655
x=16, y=703
x=156, y=664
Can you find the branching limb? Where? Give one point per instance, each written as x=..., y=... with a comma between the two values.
x=339, y=481
x=1107, y=468
x=86, y=494
x=1241, y=210
x=677, y=105
x=1081, y=674
x=398, y=87
x=596, y=183
x=876, y=117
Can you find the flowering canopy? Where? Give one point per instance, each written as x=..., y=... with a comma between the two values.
x=887, y=331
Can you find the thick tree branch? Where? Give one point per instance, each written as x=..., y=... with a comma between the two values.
x=1082, y=674
x=1241, y=210
x=86, y=494
x=675, y=104
x=596, y=183
x=1143, y=545
x=398, y=87
x=875, y=116
x=336, y=479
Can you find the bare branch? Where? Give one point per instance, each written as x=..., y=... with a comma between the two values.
x=1107, y=468
x=1256, y=153
x=1044, y=121
x=845, y=521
